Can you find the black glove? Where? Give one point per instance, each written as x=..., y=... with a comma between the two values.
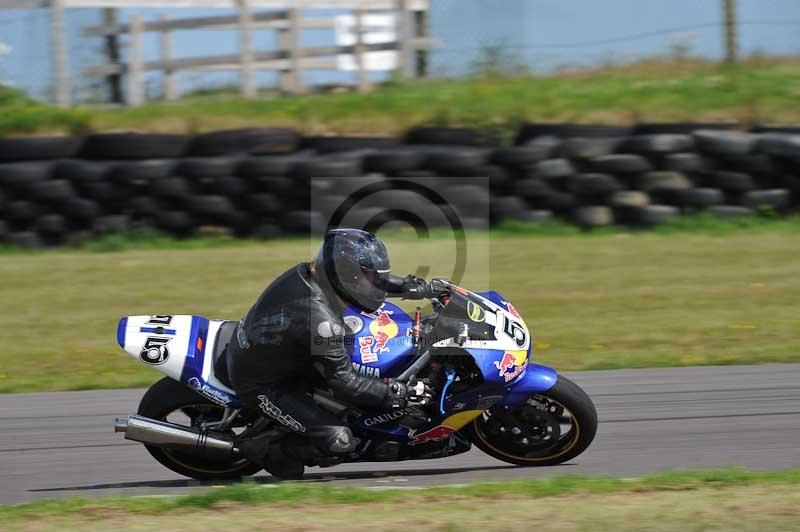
x=414, y=287
x=414, y=393
x=437, y=288
x=417, y=288
x=408, y=287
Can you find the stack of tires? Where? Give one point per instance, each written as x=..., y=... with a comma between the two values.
x=268, y=182
x=67, y=190
x=651, y=173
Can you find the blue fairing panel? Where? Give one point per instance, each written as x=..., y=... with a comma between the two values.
x=121, y=329
x=379, y=342
x=192, y=374
x=537, y=379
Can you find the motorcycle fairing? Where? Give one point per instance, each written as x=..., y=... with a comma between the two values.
x=537, y=379
x=502, y=354
x=381, y=341
x=179, y=346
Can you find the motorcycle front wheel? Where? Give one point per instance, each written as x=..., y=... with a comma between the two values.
x=549, y=428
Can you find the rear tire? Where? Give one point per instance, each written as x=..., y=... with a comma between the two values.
x=554, y=446
x=168, y=396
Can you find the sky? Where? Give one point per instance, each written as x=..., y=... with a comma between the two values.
x=542, y=34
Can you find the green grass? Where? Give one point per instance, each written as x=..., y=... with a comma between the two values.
x=303, y=504
x=758, y=90
x=21, y=115
x=722, y=295
x=699, y=223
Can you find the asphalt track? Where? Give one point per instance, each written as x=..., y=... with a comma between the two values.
x=63, y=444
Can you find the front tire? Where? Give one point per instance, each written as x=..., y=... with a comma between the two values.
x=550, y=428
x=168, y=397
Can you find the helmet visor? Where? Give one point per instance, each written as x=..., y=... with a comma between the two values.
x=378, y=278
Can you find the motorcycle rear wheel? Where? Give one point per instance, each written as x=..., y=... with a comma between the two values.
x=548, y=429
x=168, y=398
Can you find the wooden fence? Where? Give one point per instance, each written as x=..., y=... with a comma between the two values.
x=290, y=59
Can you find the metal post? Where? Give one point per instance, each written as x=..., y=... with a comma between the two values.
x=113, y=81
x=170, y=89
x=289, y=42
x=246, y=49
x=421, y=30
x=405, y=68
x=60, y=54
x=729, y=6
x=360, y=52
x=135, y=82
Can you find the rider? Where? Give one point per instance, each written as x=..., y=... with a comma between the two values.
x=294, y=335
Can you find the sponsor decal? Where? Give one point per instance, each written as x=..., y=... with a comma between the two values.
x=367, y=371
x=382, y=328
x=445, y=429
x=475, y=312
x=204, y=389
x=154, y=351
x=353, y=324
x=272, y=410
x=365, y=348
x=512, y=364
x=329, y=329
x=384, y=418
x=159, y=320
x=486, y=402
x=437, y=433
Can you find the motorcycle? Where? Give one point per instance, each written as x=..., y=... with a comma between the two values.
x=474, y=348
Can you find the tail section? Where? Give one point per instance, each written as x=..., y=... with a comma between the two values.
x=181, y=347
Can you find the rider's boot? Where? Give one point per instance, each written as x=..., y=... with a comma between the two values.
x=265, y=451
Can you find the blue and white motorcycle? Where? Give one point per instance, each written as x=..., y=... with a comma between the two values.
x=474, y=347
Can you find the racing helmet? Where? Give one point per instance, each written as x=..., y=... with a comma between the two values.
x=356, y=265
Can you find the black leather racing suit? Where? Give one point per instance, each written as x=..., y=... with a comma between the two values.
x=292, y=337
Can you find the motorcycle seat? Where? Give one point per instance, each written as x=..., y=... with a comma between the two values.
x=220, y=359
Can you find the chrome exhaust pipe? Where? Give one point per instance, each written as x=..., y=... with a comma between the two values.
x=164, y=434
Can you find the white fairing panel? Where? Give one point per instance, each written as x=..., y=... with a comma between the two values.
x=180, y=347
x=160, y=345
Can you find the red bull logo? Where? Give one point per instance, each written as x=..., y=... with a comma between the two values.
x=383, y=319
x=445, y=428
x=512, y=364
x=382, y=328
x=365, y=348
x=381, y=339
x=435, y=434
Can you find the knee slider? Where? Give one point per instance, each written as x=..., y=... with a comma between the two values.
x=341, y=440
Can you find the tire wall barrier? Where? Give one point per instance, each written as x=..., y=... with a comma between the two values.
x=258, y=182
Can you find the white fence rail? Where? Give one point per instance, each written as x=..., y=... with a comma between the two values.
x=410, y=42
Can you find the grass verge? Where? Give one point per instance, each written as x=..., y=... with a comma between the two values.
x=671, y=497
x=615, y=300
x=699, y=224
x=756, y=90
x=20, y=114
